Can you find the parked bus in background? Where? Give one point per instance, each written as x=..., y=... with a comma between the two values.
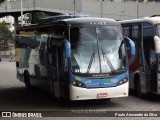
x=145, y=70
x=74, y=57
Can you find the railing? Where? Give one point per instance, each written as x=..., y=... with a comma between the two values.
x=7, y=56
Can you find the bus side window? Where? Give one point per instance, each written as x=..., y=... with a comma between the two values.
x=148, y=43
x=127, y=32
x=137, y=38
x=136, y=33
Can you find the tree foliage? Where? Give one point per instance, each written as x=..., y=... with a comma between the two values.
x=35, y=16
x=1, y=1
x=6, y=36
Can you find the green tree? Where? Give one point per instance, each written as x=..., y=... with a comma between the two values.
x=6, y=36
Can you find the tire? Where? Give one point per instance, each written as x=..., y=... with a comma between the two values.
x=139, y=91
x=27, y=80
x=52, y=89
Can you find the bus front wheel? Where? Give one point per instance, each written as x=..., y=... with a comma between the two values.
x=139, y=91
x=27, y=80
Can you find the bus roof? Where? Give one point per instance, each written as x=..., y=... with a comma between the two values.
x=90, y=21
x=80, y=21
x=152, y=20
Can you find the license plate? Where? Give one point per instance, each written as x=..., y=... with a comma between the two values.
x=102, y=95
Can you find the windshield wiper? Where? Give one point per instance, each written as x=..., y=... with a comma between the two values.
x=91, y=60
x=105, y=57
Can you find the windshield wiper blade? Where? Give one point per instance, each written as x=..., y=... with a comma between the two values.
x=105, y=57
x=91, y=60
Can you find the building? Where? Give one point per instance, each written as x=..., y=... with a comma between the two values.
x=115, y=9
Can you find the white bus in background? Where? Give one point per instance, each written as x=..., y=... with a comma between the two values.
x=145, y=70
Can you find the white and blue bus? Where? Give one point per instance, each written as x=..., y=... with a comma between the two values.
x=74, y=57
x=145, y=70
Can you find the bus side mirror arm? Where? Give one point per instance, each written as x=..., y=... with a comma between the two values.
x=132, y=50
x=157, y=44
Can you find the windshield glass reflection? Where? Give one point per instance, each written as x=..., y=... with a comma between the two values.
x=96, y=49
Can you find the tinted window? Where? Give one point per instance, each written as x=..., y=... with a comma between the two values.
x=148, y=42
x=136, y=33
x=148, y=34
x=147, y=30
x=126, y=31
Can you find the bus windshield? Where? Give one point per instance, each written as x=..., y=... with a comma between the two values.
x=95, y=49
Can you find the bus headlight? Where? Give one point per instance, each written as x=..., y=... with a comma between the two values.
x=123, y=81
x=78, y=84
x=74, y=83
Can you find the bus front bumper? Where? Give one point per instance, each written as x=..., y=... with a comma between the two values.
x=77, y=93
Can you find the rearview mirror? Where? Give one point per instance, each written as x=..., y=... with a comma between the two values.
x=120, y=53
x=157, y=44
x=120, y=50
x=67, y=49
x=132, y=47
x=132, y=50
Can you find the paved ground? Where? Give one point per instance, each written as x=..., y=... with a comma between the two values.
x=14, y=97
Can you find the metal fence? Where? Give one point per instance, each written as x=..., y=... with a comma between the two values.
x=7, y=56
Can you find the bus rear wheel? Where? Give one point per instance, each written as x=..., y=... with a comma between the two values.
x=27, y=80
x=139, y=91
